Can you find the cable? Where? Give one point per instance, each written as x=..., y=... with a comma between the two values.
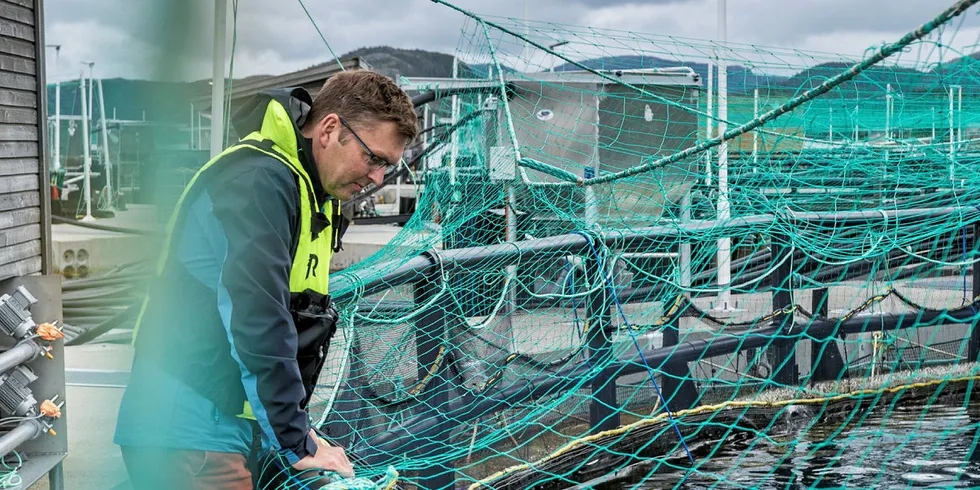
x=10, y=478
x=118, y=229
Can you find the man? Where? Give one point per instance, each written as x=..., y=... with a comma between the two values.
x=233, y=335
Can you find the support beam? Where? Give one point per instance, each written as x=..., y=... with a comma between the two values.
x=430, y=331
x=218, y=78
x=87, y=159
x=604, y=409
x=679, y=390
x=826, y=361
x=724, y=301
x=106, y=161
x=782, y=352
x=974, y=346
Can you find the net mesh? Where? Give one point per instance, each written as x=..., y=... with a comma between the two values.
x=624, y=270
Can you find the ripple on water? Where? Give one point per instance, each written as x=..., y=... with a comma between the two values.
x=962, y=474
x=846, y=470
x=938, y=462
x=900, y=449
x=925, y=477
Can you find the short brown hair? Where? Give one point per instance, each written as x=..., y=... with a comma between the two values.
x=365, y=97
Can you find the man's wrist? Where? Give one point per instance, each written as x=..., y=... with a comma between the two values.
x=305, y=448
x=309, y=445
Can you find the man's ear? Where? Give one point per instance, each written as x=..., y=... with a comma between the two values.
x=328, y=127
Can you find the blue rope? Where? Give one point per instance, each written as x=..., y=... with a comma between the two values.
x=575, y=321
x=636, y=343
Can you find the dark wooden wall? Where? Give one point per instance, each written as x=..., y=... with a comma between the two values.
x=25, y=228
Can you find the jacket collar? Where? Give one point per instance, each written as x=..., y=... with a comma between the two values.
x=296, y=102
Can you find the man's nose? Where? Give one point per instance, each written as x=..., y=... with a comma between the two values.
x=377, y=175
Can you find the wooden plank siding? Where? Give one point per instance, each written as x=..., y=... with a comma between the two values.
x=25, y=223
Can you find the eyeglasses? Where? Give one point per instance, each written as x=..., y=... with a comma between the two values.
x=373, y=159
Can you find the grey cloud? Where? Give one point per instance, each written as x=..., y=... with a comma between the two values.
x=408, y=24
x=131, y=39
x=146, y=21
x=610, y=3
x=788, y=22
x=176, y=34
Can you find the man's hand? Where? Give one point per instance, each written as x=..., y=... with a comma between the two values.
x=327, y=458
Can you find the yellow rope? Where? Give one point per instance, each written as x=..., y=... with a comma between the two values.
x=715, y=408
x=866, y=304
x=500, y=372
x=432, y=372
x=670, y=312
x=393, y=483
x=777, y=313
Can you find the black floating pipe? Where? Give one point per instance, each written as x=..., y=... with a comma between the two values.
x=433, y=95
x=424, y=98
x=389, y=444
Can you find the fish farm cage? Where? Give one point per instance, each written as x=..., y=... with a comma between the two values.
x=643, y=261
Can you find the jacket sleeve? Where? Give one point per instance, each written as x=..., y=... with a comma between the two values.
x=258, y=211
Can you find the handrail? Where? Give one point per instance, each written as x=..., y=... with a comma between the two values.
x=389, y=274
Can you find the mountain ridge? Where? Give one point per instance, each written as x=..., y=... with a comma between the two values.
x=132, y=98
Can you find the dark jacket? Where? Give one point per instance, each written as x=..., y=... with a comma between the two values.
x=218, y=321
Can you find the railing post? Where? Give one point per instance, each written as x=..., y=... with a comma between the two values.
x=826, y=362
x=56, y=477
x=679, y=390
x=430, y=328
x=604, y=410
x=783, y=351
x=975, y=328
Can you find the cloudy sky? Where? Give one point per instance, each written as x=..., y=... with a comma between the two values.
x=172, y=38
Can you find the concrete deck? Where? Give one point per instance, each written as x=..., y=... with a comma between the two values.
x=75, y=247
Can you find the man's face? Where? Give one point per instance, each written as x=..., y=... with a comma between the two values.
x=345, y=165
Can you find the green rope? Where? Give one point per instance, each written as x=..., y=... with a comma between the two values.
x=322, y=38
